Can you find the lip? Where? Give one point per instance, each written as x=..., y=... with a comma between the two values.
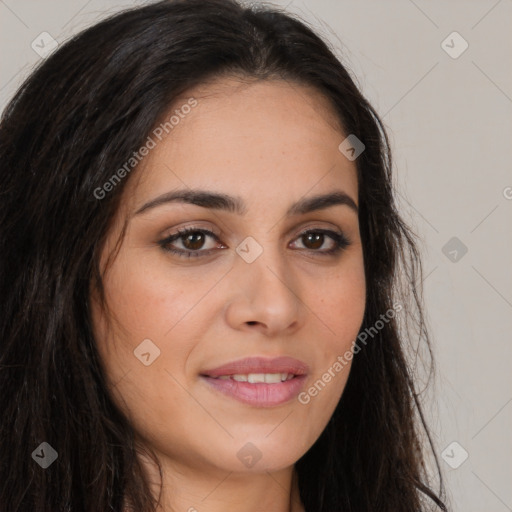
x=259, y=394
x=259, y=365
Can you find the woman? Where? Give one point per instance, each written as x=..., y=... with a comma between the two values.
x=200, y=276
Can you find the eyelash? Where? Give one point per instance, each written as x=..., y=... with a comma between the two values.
x=341, y=242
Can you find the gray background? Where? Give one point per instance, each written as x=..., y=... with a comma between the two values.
x=450, y=125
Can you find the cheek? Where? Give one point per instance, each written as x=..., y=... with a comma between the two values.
x=142, y=307
x=343, y=302
x=146, y=301
x=340, y=309
x=147, y=312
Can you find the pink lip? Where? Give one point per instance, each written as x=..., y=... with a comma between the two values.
x=260, y=365
x=260, y=394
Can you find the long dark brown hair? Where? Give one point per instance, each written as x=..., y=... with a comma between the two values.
x=74, y=121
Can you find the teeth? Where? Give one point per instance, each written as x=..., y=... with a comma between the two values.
x=255, y=378
x=272, y=378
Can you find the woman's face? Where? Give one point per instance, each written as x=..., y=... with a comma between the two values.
x=273, y=280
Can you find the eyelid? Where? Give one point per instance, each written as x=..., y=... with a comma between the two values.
x=314, y=227
x=195, y=227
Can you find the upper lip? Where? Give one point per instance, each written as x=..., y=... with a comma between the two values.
x=260, y=365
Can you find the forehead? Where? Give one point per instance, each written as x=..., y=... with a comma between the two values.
x=257, y=138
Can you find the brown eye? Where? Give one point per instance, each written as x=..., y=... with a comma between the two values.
x=314, y=239
x=192, y=241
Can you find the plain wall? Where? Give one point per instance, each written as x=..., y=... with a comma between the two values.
x=450, y=123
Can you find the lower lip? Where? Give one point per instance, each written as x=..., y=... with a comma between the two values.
x=260, y=394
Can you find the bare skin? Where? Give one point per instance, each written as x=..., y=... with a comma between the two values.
x=271, y=144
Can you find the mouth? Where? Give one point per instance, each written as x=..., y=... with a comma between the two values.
x=256, y=378
x=257, y=381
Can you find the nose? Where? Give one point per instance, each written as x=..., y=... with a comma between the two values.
x=264, y=298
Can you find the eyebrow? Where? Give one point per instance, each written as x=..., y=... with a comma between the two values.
x=219, y=201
